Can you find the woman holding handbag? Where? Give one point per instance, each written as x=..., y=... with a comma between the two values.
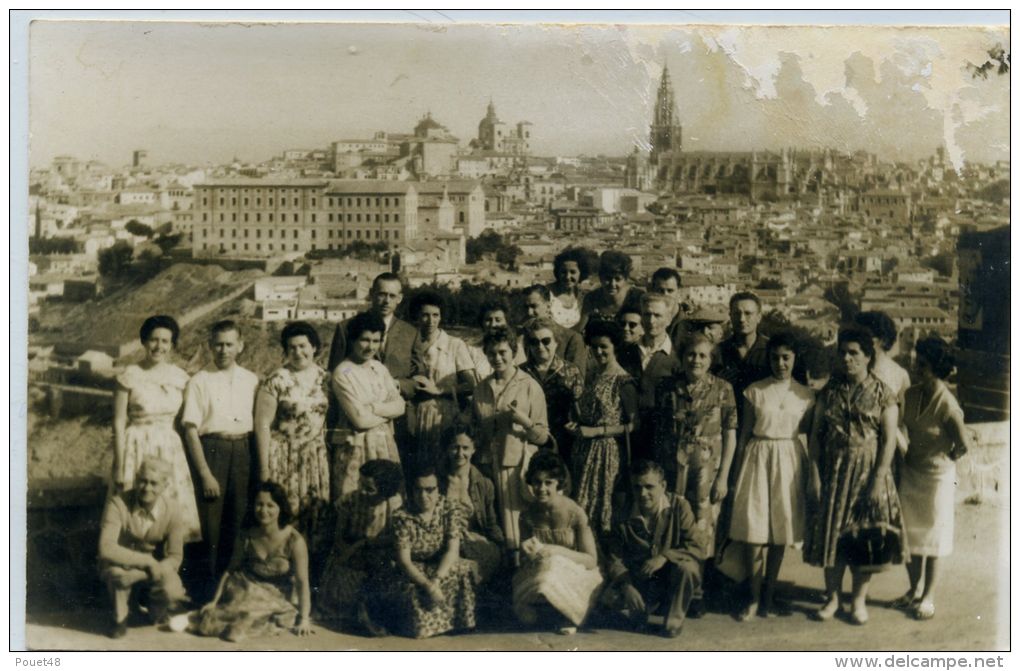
x=853, y=438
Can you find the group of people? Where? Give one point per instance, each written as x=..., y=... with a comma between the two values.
x=608, y=454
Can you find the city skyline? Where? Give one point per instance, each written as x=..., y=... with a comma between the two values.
x=223, y=88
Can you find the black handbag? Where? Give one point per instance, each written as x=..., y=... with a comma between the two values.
x=868, y=543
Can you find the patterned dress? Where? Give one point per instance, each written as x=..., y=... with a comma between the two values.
x=567, y=317
x=564, y=584
x=427, y=542
x=298, y=459
x=849, y=442
x=358, y=386
x=258, y=596
x=690, y=419
x=428, y=418
x=562, y=383
x=608, y=399
x=154, y=399
x=362, y=545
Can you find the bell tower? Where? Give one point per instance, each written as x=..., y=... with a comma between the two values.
x=666, y=131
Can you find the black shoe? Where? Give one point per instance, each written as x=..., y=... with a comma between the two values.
x=118, y=629
x=697, y=609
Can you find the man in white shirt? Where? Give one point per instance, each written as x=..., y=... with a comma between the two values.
x=218, y=407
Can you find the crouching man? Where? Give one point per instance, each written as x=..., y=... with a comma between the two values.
x=656, y=555
x=141, y=544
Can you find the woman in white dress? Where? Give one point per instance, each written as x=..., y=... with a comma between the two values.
x=145, y=406
x=559, y=577
x=570, y=268
x=443, y=374
x=769, y=498
x=938, y=438
x=369, y=401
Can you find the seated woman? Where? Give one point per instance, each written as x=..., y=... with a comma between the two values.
x=559, y=576
x=482, y=540
x=267, y=576
x=347, y=594
x=434, y=589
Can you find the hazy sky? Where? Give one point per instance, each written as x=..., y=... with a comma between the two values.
x=201, y=93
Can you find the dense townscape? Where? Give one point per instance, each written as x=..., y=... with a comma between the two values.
x=546, y=389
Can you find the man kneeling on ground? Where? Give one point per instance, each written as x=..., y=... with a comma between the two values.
x=141, y=544
x=655, y=555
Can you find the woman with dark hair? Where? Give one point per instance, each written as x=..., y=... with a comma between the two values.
x=570, y=269
x=493, y=314
x=290, y=421
x=938, y=438
x=363, y=537
x=769, y=497
x=852, y=441
x=461, y=482
x=146, y=405
x=559, y=575
x=615, y=289
x=434, y=590
x=509, y=412
x=606, y=413
x=562, y=382
x=266, y=587
x=443, y=374
x=885, y=368
x=369, y=401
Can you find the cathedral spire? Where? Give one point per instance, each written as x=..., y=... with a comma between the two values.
x=666, y=130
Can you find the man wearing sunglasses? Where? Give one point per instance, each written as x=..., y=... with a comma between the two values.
x=569, y=344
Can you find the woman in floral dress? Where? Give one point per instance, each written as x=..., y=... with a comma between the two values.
x=146, y=404
x=853, y=438
x=434, y=587
x=266, y=589
x=608, y=411
x=444, y=374
x=290, y=420
x=369, y=401
x=348, y=594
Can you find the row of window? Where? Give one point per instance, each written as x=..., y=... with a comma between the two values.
x=352, y=234
x=295, y=217
x=269, y=247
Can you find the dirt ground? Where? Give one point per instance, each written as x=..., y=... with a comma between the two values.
x=973, y=614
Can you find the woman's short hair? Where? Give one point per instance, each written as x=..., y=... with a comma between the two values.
x=784, y=339
x=423, y=471
x=603, y=328
x=861, y=336
x=533, y=326
x=295, y=329
x=493, y=305
x=500, y=334
x=160, y=322
x=880, y=324
x=576, y=254
x=549, y=462
x=817, y=361
x=939, y=355
x=280, y=498
x=457, y=429
x=365, y=322
x=695, y=339
x=423, y=298
x=387, y=475
x=613, y=262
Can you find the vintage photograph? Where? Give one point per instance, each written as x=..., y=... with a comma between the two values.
x=440, y=334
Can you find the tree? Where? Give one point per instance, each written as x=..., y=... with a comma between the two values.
x=487, y=243
x=507, y=256
x=114, y=261
x=840, y=296
x=135, y=227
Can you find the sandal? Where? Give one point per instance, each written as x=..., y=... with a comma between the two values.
x=859, y=617
x=924, y=610
x=905, y=602
x=828, y=611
